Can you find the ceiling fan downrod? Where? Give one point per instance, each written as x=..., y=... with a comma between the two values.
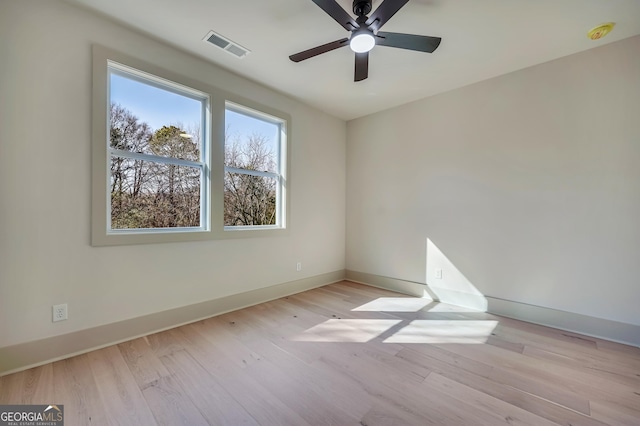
x=361, y=7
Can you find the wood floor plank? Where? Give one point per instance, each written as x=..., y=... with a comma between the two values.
x=220, y=331
x=616, y=414
x=165, y=342
x=385, y=414
x=259, y=401
x=413, y=398
x=171, y=405
x=118, y=390
x=204, y=392
x=432, y=353
x=618, y=349
x=550, y=376
x=309, y=400
x=10, y=389
x=551, y=390
x=395, y=398
x=561, y=342
x=77, y=390
x=369, y=291
x=295, y=393
x=27, y=386
x=605, y=370
x=334, y=388
x=501, y=411
x=477, y=378
x=337, y=390
x=340, y=307
x=144, y=365
x=38, y=385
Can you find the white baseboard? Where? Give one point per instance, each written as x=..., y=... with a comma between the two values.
x=409, y=288
x=38, y=352
x=615, y=331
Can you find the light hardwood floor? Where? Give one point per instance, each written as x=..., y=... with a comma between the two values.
x=344, y=354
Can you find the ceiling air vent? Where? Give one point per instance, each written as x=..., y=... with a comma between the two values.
x=225, y=44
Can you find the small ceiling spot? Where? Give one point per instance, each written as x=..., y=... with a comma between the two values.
x=600, y=31
x=225, y=44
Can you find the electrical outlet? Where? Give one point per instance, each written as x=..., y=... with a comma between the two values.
x=439, y=273
x=59, y=312
x=299, y=266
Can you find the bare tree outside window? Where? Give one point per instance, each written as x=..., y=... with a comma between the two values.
x=249, y=199
x=150, y=194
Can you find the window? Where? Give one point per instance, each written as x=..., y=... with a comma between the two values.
x=175, y=159
x=253, y=178
x=156, y=153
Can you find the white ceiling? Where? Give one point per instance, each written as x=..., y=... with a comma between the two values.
x=481, y=39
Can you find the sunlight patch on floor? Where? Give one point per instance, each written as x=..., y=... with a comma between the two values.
x=399, y=331
x=447, y=308
x=394, y=304
x=347, y=330
x=444, y=331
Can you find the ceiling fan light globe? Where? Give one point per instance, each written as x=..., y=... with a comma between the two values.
x=362, y=42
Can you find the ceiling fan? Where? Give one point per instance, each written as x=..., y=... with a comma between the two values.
x=365, y=33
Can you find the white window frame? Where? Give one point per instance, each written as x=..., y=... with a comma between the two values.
x=212, y=212
x=203, y=165
x=278, y=175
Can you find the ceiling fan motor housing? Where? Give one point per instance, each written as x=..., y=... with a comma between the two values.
x=361, y=7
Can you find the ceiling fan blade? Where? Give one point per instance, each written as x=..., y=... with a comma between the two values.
x=408, y=41
x=383, y=13
x=333, y=9
x=301, y=56
x=362, y=66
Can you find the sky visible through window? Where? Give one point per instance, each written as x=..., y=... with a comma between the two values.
x=158, y=107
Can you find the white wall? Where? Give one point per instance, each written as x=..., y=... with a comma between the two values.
x=45, y=129
x=528, y=183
